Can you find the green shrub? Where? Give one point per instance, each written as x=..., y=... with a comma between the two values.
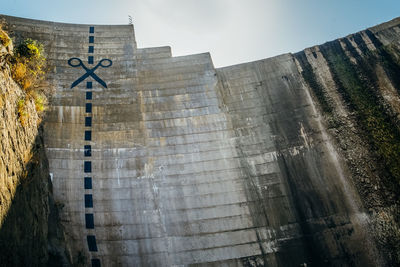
x=30, y=49
x=28, y=64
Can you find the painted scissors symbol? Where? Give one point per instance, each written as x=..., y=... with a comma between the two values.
x=105, y=63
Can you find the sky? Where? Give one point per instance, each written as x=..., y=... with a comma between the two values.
x=233, y=31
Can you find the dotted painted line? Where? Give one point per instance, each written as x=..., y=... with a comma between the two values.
x=88, y=185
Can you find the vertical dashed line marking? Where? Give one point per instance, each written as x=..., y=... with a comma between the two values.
x=88, y=121
x=88, y=135
x=91, y=239
x=89, y=220
x=88, y=107
x=88, y=185
x=96, y=263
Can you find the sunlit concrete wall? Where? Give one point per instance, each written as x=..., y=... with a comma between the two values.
x=189, y=164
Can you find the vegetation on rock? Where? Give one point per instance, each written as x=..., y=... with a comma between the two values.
x=27, y=64
x=5, y=40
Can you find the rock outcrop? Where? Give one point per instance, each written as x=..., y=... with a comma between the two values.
x=30, y=231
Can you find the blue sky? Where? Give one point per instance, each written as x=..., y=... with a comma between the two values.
x=233, y=31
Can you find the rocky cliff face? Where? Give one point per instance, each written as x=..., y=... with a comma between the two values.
x=29, y=225
x=287, y=161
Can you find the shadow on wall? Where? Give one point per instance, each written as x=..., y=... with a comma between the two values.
x=31, y=234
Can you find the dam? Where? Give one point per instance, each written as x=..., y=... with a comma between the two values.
x=168, y=161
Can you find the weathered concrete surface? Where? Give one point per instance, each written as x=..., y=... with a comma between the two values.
x=354, y=82
x=292, y=175
x=193, y=165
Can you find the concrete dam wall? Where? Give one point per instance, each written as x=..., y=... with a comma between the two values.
x=167, y=161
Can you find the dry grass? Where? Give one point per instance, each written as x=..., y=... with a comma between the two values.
x=20, y=75
x=5, y=40
x=22, y=113
x=28, y=64
x=40, y=103
x=28, y=68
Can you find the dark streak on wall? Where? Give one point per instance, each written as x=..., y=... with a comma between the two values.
x=354, y=62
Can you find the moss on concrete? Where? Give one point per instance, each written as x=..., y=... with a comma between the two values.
x=361, y=96
x=357, y=83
